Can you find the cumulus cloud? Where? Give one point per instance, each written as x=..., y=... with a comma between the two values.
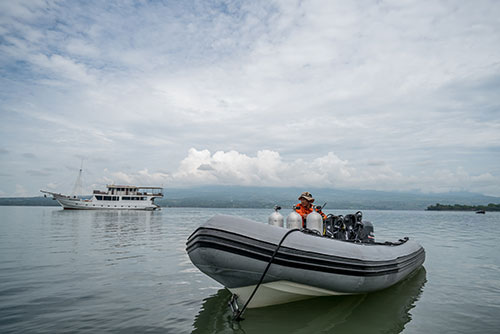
x=268, y=168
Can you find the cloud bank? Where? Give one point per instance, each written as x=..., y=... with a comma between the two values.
x=269, y=169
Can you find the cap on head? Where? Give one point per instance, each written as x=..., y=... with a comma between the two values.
x=307, y=196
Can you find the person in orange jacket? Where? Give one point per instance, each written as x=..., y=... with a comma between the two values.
x=305, y=206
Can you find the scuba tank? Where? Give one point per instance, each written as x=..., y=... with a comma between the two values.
x=314, y=221
x=293, y=220
x=276, y=218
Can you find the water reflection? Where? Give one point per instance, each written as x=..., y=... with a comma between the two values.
x=386, y=311
x=119, y=235
x=109, y=221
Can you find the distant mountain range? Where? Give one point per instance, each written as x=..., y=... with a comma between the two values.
x=267, y=197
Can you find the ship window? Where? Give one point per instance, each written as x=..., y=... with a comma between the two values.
x=107, y=198
x=99, y=198
x=126, y=198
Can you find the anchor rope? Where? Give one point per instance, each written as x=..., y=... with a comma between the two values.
x=239, y=313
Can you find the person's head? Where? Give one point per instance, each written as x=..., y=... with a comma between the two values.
x=306, y=198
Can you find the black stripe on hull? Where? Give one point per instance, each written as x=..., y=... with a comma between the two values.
x=295, y=258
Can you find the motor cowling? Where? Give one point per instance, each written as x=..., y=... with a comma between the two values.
x=314, y=221
x=276, y=219
x=293, y=220
x=366, y=234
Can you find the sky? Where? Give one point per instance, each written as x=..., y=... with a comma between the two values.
x=378, y=95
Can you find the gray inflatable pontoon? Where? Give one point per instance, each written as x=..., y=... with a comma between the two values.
x=235, y=252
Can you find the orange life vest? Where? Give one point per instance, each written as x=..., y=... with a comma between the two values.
x=303, y=211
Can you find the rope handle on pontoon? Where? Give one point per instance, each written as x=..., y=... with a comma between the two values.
x=237, y=315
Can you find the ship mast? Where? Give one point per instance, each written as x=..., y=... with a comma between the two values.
x=77, y=188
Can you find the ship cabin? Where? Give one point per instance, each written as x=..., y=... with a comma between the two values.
x=128, y=193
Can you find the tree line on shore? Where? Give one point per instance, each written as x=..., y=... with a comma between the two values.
x=461, y=207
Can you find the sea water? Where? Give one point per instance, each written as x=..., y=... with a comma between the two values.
x=128, y=272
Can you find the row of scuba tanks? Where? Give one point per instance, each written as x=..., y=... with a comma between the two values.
x=350, y=227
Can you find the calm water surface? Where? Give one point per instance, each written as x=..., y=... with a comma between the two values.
x=128, y=272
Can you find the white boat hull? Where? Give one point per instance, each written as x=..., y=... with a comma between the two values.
x=279, y=292
x=79, y=204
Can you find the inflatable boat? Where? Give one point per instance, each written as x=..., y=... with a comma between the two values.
x=297, y=264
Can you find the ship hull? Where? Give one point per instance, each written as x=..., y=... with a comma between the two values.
x=69, y=203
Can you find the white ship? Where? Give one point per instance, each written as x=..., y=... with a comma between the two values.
x=116, y=198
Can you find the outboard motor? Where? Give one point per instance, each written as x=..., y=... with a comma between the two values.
x=366, y=233
x=314, y=221
x=276, y=218
x=293, y=220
